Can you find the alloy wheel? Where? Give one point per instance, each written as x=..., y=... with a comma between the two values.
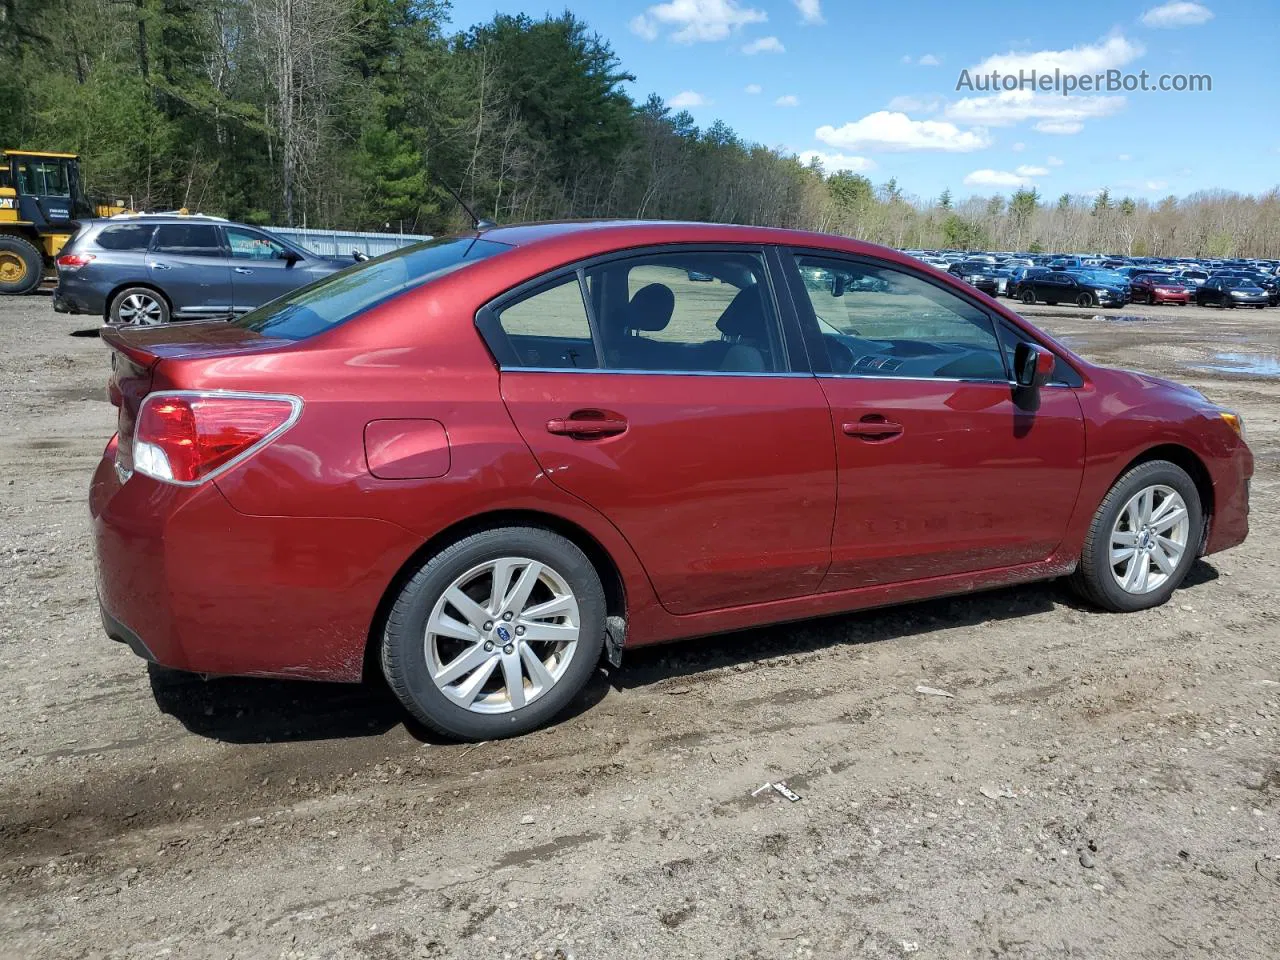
x=502, y=635
x=138, y=309
x=1149, y=539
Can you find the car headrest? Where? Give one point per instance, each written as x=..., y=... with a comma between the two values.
x=651, y=308
x=744, y=317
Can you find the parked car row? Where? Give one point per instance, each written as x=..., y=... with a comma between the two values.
x=1113, y=281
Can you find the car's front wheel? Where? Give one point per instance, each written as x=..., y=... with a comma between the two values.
x=1143, y=539
x=1084, y=300
x=138, y=307
x=495, y=634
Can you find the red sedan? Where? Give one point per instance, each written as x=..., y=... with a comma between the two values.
x=1159, y=288
x=481, y=463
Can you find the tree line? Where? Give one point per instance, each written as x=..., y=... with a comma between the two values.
x=363, y=113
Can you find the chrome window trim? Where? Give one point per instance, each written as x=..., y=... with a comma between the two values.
x=659, y=373
x=992, y=383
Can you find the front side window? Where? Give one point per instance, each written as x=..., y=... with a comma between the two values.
x=693, y=311
x=187, y=240
x=251, y=245
x=880, y=321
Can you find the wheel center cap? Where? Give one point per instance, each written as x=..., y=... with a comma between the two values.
x=503, y=633
x=1144, y=541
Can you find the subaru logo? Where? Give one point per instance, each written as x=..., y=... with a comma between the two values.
x=504, y=634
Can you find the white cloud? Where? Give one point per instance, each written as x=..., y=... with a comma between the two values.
x=752, y=88
x=1027, y=170
x=912, y=104
x=1123, y=157
x=686, y=99
x=810, y=11
x=643, y=27
x=1060, y=126
x=995, y=178
x=1155, y=184
x=1115, y=51
x=764, y=45
x=835, y=162
x=929, y=60
x=1177, y=14
x=1014, y=106
x=788, y=100
x=695, y=21
x=1019, y=147
x=888, y=131
x=1053, y=162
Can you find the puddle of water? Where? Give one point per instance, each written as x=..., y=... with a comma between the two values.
x=1126, y=318
x=1258, y=365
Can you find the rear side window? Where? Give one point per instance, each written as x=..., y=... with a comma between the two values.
x=340, y=296
x=133, y=236
x=549, y=327
x=187, y=240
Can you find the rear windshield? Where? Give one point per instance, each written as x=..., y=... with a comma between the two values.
x=339, y=297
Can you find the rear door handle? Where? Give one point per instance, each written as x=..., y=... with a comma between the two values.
x=244, y=270
x=873, y=429
x=583, y=428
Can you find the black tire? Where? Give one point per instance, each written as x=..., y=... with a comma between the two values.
x=404, y=658
x=1084, y=300
x=1093, y=579
x=1028, y=297
x=128, y=302
x=21, y=266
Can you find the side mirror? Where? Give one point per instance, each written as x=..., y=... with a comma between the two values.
x=290, y=257
x=1032, y=365
x=837, y=285
x=359, y=256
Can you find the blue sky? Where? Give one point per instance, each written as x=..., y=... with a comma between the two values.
x=872, y=86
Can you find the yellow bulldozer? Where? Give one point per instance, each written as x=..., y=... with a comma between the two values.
x=41, y=204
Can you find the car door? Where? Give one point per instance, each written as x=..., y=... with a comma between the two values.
x=188, y=263
x=940, y=469
x=682, y=410
x=262, y=268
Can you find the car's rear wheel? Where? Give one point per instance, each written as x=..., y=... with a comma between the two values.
x=496, y=634
x=1143, y=539
x=138, y=307
x=1028, y=297
x=21, y=266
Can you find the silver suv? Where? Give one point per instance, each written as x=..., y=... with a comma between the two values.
x=154, y=268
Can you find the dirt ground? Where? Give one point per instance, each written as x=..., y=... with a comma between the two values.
x=1099, y=786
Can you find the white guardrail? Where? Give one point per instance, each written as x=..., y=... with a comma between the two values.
x=340, y=243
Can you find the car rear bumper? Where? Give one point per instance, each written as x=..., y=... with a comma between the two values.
x=188, y=582
x=76, y=295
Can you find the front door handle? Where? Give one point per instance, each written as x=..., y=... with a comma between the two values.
x=873, y=429
x=587, y=428
x=158, y=266
x=244, y=270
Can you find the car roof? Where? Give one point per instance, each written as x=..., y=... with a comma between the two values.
x=615, y=234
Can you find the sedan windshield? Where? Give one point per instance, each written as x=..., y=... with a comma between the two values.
x=340, y=296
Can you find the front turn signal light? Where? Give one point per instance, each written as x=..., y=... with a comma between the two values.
x=1234, y=421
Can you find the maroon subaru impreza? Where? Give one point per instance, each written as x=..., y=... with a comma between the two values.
x=485, y=461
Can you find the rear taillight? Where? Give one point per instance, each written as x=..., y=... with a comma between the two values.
x=74, y=261
x=186, y=437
